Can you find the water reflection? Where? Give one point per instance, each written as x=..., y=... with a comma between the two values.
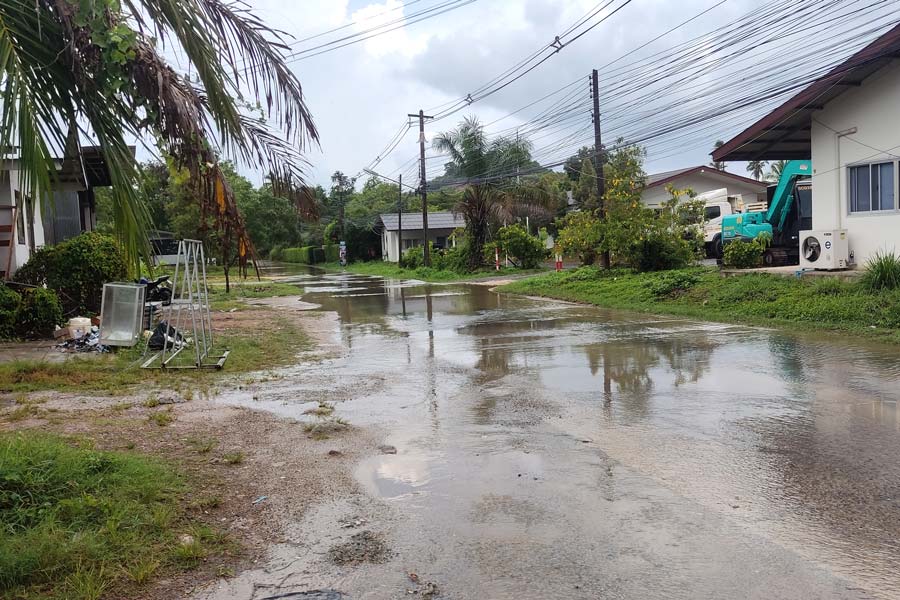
x=807, y=427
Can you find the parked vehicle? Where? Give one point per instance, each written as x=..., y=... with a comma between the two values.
x=789, y=212
x=719, y=204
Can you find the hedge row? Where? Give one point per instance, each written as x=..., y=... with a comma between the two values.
x=309, y=255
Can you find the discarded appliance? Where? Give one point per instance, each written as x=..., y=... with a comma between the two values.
x=121, y=314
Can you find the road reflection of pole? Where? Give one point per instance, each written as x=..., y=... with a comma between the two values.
x=403, y=299
x=429, y=367
x=607, y=386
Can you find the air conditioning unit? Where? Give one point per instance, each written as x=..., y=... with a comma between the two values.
x=825, y=250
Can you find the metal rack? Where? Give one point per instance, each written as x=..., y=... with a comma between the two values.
x=190, y=306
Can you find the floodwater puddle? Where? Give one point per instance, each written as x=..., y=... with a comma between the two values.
x=547, y=449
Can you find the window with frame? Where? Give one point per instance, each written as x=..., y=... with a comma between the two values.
x=872, y=187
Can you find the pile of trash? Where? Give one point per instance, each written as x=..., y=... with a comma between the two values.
x=85, y=342
x=166, y=335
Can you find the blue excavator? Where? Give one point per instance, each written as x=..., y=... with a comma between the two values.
x=789, y=213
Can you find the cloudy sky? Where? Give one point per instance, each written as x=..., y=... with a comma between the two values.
x=359, y=95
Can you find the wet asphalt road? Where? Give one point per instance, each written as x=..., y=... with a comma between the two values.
x=549, y=450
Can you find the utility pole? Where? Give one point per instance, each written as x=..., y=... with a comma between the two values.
x=421, y=116
x=399, y=218
x=598, y=159
x=341, y=213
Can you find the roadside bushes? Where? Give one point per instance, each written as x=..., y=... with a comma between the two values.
x=882, y=272
x=524, y=250
x=673, y=283
x=660, y=251
x=34, y=313
x=76, y=270
x=277, y=252
x=9, y=306
x=307, y=255
x=39, y=313
x=742, y=254
x=332, y=253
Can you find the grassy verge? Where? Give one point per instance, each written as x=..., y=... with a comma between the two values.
x=758, y=299
x=271, y=346
x=386, y=269
x=246, y=290
x=79, y=524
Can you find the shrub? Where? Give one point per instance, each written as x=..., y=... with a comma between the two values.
x=414, y=257
x=660, y=251
x=742, y=254
x=332, y=253
x=277, y=252
x=581, y=234
x=882, y=272
x=302, y=255
x=9, y=308
x=39, y=313
x=673, y=283
x=525, y=251
x=77, y=269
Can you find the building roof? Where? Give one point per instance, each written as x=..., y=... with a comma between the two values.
x=785, y=133
x=658, y=179
x=436, y=220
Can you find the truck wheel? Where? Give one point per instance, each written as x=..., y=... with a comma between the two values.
x=717, y=251
x=769, y=259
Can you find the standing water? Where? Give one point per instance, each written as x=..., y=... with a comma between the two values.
x=552, y=450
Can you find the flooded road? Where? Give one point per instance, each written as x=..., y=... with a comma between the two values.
x=551, y=450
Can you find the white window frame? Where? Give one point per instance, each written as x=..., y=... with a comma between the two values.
x=849, y=189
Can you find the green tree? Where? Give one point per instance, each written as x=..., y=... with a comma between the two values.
x=581, y=235
x=775, y=169
x=586, y=188
x=342, y=188
x=491, y=192
x=96, y=68
x=718, y=164
x=573, y=166
x=756, y=168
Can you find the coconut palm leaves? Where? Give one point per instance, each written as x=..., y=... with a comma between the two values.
x=96, y=66
x=488, y=169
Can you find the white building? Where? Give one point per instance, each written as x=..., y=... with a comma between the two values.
x=441, y=226
x=25, y=225
x=701, y=180
x=847, y=122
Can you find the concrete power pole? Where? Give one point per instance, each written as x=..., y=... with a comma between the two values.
x=399, y=218
x=598, y=159
x=421, y=116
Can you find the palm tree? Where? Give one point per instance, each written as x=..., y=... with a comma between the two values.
x=775, y=169
x=488, y=170
x=94, y=70
x=718, y=165
x=756, y=168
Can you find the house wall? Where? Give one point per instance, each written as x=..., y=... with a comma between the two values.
x=410, y=236
x=655, y=196
x=872, y=109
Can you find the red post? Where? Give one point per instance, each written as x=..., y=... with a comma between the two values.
x=558, y=262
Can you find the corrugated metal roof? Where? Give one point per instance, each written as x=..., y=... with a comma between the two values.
x=436, y=220
x=785, y=133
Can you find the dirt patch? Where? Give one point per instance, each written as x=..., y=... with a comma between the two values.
x=362, y=547
x=281, y=472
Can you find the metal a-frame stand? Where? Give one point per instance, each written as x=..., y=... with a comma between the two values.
x=190, y=306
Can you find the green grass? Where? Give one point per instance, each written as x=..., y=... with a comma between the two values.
x=753, y=298
x=76, y=523
x=117, y=373
x=386, y=269
x=246, y=290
